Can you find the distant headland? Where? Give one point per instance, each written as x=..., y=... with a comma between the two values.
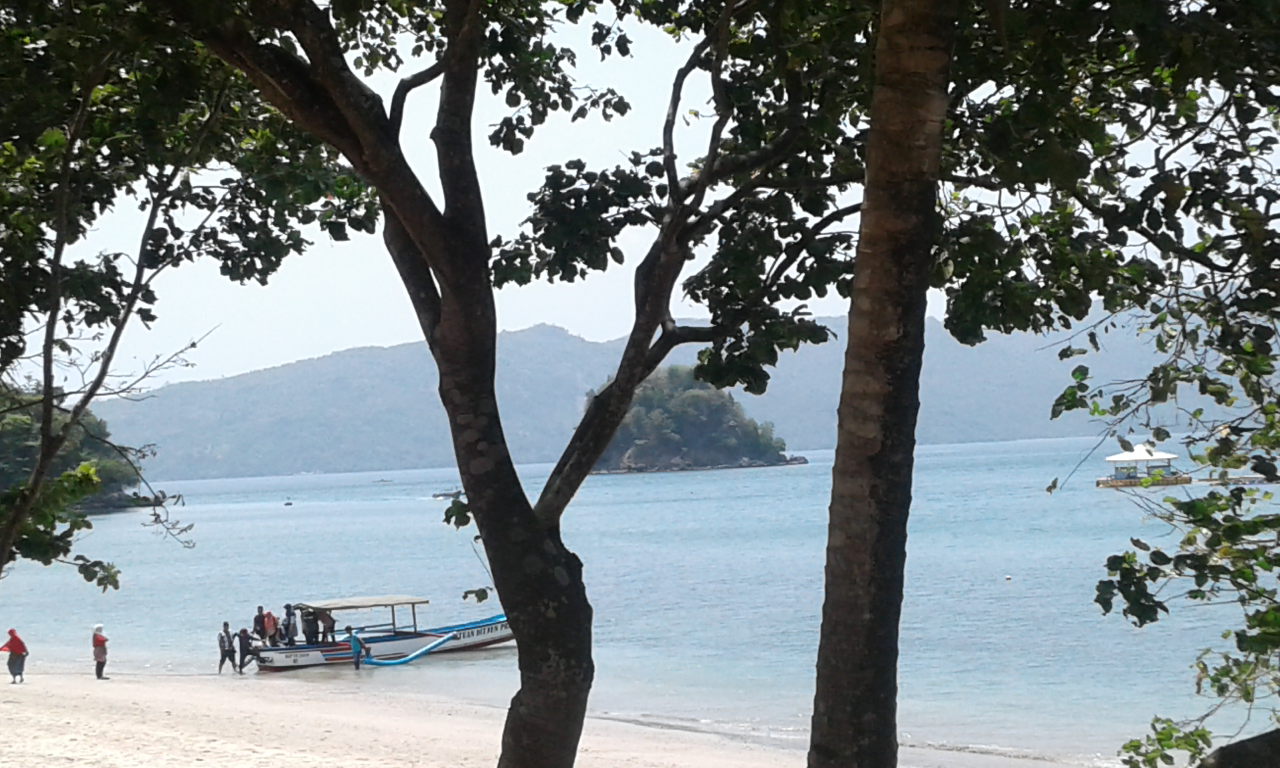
x=372, y=409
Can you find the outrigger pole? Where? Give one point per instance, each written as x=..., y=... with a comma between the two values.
x=368, y=655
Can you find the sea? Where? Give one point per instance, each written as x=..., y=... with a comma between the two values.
x=707, y=588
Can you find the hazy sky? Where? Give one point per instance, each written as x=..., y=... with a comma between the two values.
x=342, y=295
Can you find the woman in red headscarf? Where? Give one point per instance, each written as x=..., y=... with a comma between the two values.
x=99, y=651
x=17, y=656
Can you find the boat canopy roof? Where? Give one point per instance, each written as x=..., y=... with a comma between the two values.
x=1141, y=453
x=356, y=603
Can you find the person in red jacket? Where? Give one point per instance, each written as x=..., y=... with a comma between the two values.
x=17, y=656
x=99, y=651
x=272, y=627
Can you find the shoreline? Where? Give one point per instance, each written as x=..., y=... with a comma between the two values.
x=65, y=716
x=795, y=460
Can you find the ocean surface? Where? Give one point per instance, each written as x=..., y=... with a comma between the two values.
x=707, y=589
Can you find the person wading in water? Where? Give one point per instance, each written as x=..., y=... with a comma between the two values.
x=226, y=647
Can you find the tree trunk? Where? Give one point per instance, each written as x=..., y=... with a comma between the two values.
x=443, y=259
x=1261, y=751
x=855, y=706
x=538, y=579
x=541, y=587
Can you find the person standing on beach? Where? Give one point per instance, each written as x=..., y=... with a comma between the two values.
x=17, y=656
x=260, y=624
x=226, y=647
x=99, y=651
x=246, y=649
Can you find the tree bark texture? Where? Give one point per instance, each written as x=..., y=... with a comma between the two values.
x=855, y=706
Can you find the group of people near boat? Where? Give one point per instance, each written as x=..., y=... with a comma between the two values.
x=268, y=630
x=18, y=653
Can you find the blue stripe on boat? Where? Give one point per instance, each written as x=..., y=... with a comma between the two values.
x=342, y=651
x=470, y=625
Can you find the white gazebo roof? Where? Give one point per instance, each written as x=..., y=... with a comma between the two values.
x=1141, y=453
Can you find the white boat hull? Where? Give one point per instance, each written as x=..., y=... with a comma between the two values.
x=389, y=647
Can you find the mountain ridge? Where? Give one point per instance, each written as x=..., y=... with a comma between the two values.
x=376, y=408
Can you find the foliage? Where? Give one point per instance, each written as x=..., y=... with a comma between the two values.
x=1225, y=551
x=763, y=204
x=457, y=514
x=1128, y=156
x=678, y=422
x=88, y=442
x=101, y=104
x=480, y=594
x=49, y=531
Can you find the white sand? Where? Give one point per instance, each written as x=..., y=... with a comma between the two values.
x=282, y=721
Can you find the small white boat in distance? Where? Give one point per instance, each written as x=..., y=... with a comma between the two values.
x=384, y=642
x=1143, y=466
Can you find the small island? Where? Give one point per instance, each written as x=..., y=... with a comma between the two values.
x=679, y=423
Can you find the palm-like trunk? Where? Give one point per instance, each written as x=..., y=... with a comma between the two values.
x=855, y=706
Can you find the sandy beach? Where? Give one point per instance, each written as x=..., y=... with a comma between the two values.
x=70, y=719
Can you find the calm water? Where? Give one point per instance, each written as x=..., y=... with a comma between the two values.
x=707, y=589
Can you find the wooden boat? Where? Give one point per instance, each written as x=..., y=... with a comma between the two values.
x=388, y=642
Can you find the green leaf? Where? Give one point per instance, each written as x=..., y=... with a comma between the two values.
x=52, y=138
x=457, y=514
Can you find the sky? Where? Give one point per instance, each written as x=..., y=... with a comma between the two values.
x=342, y=295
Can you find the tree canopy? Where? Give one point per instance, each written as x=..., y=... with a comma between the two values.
x=1157, y=148
x=104, y=105
x=678, y=422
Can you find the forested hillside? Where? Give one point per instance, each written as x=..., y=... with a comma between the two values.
x=87, y=443
x=678, y=422
x=377, y=408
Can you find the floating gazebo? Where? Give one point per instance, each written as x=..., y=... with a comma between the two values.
x=1142, y=466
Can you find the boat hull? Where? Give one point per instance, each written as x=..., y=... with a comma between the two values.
x=389, y=647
